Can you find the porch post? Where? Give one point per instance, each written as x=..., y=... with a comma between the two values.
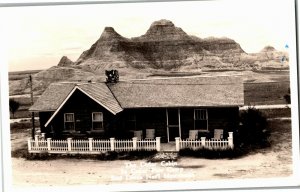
x=91, y=144
x=36, y=140
x=69, y=144
x=49, y=144
x=167, y=118
x=177, y=141
x=157, y=143
x=230, y=140
x=112, y=144
x=29, y=144
x=179, y=123
x=203, y=141
x=134, y=141
x=43, y=136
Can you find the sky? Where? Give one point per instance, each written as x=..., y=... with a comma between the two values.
x=36, y=37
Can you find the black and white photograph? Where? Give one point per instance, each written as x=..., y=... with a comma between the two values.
x=150, y=95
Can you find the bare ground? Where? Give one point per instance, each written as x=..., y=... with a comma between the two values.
x=275, y=161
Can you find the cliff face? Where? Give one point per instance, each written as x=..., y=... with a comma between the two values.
x=163, y=46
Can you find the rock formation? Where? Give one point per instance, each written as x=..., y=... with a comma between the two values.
x=164, y=46
x=65, y=61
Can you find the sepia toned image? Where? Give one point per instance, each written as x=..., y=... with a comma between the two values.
x=152, y=93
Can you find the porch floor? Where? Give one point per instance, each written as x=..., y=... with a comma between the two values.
x=168, y=147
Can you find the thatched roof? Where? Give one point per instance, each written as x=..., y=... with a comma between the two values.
x=169, y=92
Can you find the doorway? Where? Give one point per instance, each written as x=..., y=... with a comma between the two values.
x=173, y=124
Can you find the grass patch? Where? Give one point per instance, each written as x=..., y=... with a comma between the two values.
x=22, y=126
x=19, y=75
x=23, y=113
x=175, y=74
x=21, y=152
x=265, y=93
x=279, y=126
x=276, y=113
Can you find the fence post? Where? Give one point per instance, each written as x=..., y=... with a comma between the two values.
x=230, y=139
x=134, y=140
x=49, y=144
x=91, y=144
x=29, y=144
x=177, y=141
x=36, y=140
x=203, y=141
x=43, y=136
x=69, y=144
x=112, y=144
x=157, y=143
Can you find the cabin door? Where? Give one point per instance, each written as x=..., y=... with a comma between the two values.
x=173, y=124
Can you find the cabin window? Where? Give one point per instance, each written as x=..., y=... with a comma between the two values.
x=97, y=121
x=131, y=121
x=69, y=121
x=200, y=119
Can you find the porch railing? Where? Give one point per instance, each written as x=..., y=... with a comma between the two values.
x=41, y=144
x=205, y=143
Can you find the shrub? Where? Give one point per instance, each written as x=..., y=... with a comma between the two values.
x=253, y=129
x=109, y=155
x=287, y=97
x=141, y=154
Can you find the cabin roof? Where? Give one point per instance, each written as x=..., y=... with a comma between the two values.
x=57, y=94
x=180, y=92
x=102, y=94
x=52, y=97
x=167, y=92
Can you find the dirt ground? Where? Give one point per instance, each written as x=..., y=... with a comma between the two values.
x=275, y=161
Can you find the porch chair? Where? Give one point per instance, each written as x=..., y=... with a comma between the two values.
x=150, y=134
x=138, y=134
x=218, y=134
x=193, y=134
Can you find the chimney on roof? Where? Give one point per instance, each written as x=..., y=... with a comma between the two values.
x=112, y=76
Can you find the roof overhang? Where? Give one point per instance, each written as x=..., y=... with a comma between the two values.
x=67, y=98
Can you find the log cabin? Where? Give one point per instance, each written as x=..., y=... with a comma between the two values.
x=172, y=107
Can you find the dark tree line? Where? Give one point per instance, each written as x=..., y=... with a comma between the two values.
x=13, y=106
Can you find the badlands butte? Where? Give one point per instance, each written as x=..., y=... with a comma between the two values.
x=163, y=50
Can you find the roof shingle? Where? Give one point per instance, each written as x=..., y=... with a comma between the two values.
x=52, y=97
x=180, y=92
x=168, y=92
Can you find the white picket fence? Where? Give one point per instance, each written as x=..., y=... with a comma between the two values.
x=40, y=145
x=205, y=143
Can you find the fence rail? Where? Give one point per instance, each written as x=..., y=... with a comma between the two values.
x=205, y=143
x=40, y=144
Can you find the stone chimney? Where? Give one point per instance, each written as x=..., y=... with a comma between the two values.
x=112, y=76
